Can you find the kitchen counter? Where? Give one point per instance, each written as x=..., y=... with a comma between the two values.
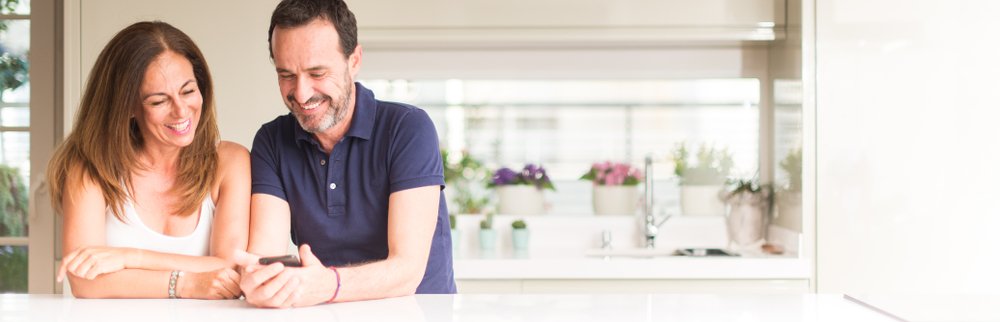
x=561, y=248
x=542, y=265
x=577, y=307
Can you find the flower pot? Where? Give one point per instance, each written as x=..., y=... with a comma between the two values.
x=746, y=220
x=615, y=200
x=701, y=200
x=487, y=239
x=520, y=200
x=519, y=237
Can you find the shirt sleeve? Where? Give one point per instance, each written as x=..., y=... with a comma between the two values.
x=265, y=177
x=414, y=156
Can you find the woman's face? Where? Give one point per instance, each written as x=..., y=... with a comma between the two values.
x=171, y=102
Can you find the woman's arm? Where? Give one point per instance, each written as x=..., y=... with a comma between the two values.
x=91, y=265
x=231, y=229
x=140, y=283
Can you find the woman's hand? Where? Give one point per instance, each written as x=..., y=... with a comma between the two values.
x=92, y=261
x=219, y=284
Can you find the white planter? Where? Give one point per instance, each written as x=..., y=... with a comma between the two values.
x=746, y=220
x=701, y=200
x=520, y=200
x=615, y=200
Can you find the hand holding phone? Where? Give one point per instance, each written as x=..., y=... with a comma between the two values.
x=287, y=260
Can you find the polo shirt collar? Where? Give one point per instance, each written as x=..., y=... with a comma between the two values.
x=362, y=123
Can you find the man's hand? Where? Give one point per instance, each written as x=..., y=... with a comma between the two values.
x=277, y=286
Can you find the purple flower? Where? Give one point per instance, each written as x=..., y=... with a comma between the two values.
x=504, y=176
x=530, y=175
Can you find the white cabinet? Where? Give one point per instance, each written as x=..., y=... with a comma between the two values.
x=737, y=286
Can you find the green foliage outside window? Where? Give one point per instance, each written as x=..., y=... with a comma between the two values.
x=13, y=269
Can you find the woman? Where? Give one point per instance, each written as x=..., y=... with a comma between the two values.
x=154, y=204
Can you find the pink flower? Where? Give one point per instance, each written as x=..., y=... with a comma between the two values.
x=609, y=173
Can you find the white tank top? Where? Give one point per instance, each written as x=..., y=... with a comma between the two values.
x=135, y=234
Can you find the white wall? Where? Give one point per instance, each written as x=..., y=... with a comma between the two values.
x=231, y=34
x=908, y=146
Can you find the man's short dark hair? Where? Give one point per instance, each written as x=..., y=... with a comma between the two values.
x=295, y=13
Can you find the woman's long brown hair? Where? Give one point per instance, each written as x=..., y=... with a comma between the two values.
x=105, y=139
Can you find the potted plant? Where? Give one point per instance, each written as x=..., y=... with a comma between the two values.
x=521, y=192
x=519, y=235
x=487, y=236
x=614, y=189
x=463, y=177
x=748, y=206
x=702, y=180
x=789, y=197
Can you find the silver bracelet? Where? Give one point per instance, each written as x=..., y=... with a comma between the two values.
x=172, y=286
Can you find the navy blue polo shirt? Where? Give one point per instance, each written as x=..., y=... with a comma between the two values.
x=340, y=201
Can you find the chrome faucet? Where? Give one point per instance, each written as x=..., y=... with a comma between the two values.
x=650, y=226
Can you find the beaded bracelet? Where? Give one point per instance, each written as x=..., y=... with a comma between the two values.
x=172, y=286
x=338, y=285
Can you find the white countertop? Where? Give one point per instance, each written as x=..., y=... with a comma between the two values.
x=528, y=265
x=577, y=308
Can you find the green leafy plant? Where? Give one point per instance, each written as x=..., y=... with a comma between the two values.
x=13, y=71
x=8, y=7
x=487, y=223
x=792, y=166
x=13, y=202
x=451, y=221
x=13, y=269
x=711, y=165
x=519, y=224
x=13, y=222
x=463, y=174
x=749, y=190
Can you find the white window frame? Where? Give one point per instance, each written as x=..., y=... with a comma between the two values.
x=45, y=127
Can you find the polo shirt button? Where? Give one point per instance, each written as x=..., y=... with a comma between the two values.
x=333, y=186
x=322, y=162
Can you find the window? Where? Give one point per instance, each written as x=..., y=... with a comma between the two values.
x=14, y=144
x=566, y=125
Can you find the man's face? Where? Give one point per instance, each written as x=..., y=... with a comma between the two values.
x=315, y=79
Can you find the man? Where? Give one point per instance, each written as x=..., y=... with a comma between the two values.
x=357, y=181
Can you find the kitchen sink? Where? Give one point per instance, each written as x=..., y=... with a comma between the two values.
x=704, y=252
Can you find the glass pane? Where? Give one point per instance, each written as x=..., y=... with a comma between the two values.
x=14, y=116
x=14, y=183
x=13, y=269
x=568, y=125
x=18, y=7
x=14, y=39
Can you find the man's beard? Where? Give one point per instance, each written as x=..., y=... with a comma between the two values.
x=333, y=116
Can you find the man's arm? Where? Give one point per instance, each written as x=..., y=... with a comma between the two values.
x=412, y=218
x=270, y=225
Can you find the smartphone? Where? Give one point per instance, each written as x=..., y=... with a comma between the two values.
x=287, y=260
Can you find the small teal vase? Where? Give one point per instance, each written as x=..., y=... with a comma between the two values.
x=520, y=238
